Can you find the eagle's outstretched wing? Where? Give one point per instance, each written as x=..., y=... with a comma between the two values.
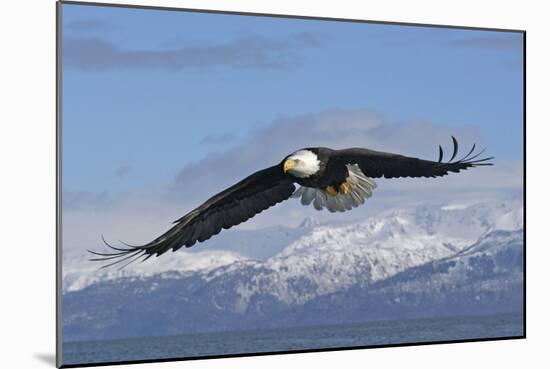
x=376, y=164
x=230, y=207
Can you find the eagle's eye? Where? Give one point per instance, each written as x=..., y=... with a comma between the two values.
x=301, y=164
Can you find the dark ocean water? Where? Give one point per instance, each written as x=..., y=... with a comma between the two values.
x=300, y=338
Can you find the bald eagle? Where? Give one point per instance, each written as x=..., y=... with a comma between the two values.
x=337, y=180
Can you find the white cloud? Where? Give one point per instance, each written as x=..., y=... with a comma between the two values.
x=253, y=51
x=336, y=129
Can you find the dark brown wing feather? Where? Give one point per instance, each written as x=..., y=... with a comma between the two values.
x=377, y=164
x=230, y=207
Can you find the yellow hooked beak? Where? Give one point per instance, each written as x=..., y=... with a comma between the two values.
x=289, y=164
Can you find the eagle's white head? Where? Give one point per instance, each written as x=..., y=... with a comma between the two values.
x=302, y=164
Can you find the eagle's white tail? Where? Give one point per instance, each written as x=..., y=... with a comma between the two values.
x=360, y=189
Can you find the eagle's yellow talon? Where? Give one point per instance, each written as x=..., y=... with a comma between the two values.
x=331, y=191
x=344, y=188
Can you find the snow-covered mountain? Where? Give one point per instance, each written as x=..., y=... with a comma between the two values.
x=390, y=242
x=397, y=261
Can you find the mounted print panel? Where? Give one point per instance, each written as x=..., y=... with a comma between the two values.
x=240, y=184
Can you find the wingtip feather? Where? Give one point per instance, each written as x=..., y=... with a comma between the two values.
x=455, y=148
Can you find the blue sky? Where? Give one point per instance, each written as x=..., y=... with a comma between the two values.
x=147, y=93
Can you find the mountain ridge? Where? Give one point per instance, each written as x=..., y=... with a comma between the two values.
x=403, y=264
